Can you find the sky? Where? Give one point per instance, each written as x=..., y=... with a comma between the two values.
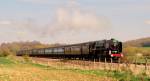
x=73, y=21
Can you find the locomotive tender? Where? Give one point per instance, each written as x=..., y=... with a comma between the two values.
x=89, y=50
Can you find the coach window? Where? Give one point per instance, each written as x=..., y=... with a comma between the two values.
x=60, y=50
x=55, y=50
x=48, y=51
x=42, y=51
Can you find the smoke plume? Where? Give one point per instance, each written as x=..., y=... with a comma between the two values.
x=74, y=20
x=69, y=24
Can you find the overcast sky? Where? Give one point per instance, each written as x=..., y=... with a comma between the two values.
x=73, y=21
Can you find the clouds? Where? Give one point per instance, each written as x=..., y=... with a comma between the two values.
x=5, y=22
x=69, y=23
x=74, y=19
x=77, y=20
x=14, y=30
x=72, y=23
x=147, y=22
x=34, y=1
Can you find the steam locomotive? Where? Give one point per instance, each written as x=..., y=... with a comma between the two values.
x=89, y=50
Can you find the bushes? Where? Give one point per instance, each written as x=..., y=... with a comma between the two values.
x=134, y=50
x=5, y=53
x=135, y=53
x=11, y=48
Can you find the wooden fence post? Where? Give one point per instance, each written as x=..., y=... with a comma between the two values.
x=99, y=59
x=145, y=63
x=135, y=63
x=111, y=63
x=127, y=67
x=99, y=63
x=119, y=64
x=105, y=64
x=94, y=64
x=84, y=64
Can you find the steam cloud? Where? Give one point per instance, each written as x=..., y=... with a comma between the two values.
x=70, y=23
x=147, y=22
x=72, y=20
x=34, y=1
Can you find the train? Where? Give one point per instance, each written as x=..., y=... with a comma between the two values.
x=111, y=48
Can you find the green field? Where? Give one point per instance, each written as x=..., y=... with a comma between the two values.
x=14, y=69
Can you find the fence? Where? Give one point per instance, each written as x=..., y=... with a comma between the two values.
x=133, y=66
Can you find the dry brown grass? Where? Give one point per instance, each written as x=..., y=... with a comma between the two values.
x=60, y=70
x=27, y=72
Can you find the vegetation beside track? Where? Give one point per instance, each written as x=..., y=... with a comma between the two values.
x=21, y=69
x=14, y=69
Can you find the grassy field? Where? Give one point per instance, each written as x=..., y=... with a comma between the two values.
x=14, y=69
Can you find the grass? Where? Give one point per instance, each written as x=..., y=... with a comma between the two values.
x=12, y=69
x=145, y=47
x=118, y=75
x=5, y=61
x=143, y=60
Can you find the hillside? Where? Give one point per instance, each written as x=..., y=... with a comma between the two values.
x=138, y=46
x=142, y=42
